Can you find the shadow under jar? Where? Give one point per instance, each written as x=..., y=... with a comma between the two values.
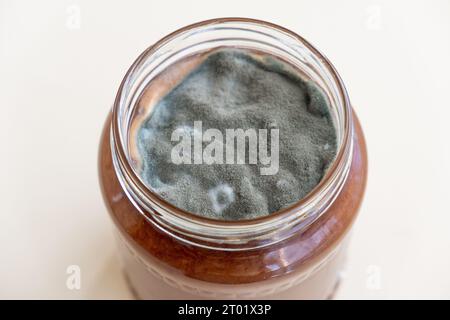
x=294, y=253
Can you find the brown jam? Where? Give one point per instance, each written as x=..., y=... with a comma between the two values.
x=238, y=267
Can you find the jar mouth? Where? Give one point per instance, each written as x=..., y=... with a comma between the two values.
x=229, y=234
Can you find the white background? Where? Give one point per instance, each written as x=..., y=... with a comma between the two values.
x=59, y=75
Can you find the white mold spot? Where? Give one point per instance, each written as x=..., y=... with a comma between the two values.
x=221, y=197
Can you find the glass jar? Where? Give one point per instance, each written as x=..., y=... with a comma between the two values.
x=295, y=253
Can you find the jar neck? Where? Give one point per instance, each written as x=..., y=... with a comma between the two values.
x=249, y=34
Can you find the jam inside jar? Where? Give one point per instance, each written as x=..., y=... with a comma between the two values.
x=294, y=253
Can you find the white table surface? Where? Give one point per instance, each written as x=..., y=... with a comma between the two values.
x=58, y=78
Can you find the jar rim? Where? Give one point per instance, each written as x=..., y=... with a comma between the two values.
x=162, y=213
